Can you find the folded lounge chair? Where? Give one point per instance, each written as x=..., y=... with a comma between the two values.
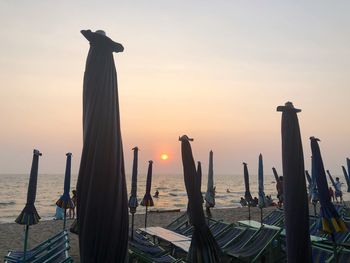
x=228, y=235
x=55, y=249
x=141, y=256
x=177, y=222
x=274, y=217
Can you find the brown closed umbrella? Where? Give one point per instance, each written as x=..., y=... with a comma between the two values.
x=102, y=203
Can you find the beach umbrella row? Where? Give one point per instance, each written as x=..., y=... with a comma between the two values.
x=203, y=246
x=102, y=200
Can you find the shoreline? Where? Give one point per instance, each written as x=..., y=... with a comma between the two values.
x=11, y=237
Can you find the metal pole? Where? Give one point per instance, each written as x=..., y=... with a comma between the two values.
x=249, y=212
x=132, y=226
x=25, y=242
x=261, y=215
x=146, y=217
x=64, y=219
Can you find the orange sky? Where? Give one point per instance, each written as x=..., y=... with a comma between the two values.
x=214, y=71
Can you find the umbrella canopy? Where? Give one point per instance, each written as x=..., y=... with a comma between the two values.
x=248, y=197
x=262, y=197
x=29, y=215
x=332, y=180
x=275, y=174
x=331, y=221
x=203, y=246
x=199, y=177
x=314, y=191
x=133, y=196
x=296, y=210
x=147, y=199
x=308, y=177
x=102, y=201
x=210, y=194
x=65, y=201
x=347, y=179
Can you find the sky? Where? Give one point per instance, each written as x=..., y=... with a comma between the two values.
x=214, y=70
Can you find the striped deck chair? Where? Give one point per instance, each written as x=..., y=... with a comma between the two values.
x=218, y=228
x=54, y=249
x=141, y=256
x=227, y=236
x=321, y=254
x=343, y=256
x=237, y=243
x=265, y=243
x=274, y=217
x=177, y=222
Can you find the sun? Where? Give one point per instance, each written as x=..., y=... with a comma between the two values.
x=164, y=156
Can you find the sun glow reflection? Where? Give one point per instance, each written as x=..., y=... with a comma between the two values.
x=164, y=156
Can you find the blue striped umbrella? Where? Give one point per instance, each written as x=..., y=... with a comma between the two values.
x=133, y=203
x=147, y=199
x=203, y=246
x=296, y=208
x=331, y=221
x=210, y=194
x=65, y=201
x=347, y=179
x=29, y=215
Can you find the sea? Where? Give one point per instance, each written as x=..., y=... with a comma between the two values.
x=172, y=193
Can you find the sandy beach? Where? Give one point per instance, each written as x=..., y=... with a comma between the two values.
x=11, y=236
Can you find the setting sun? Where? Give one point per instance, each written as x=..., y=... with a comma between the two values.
x=164, y=156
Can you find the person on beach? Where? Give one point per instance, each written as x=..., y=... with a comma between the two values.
x=228, y=190
x=156, y=194
x=331, y=193
x=279, y=188
x=74, y=200
x=243, y=202
x=338, y=192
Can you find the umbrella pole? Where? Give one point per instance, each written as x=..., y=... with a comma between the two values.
x=261, y=215
x=25, y=242
x=314, y=203
x=65, y=219
x=132, y=226
x=249, y=212
x=146, y=216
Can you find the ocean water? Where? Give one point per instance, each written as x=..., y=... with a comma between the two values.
x=172, y=193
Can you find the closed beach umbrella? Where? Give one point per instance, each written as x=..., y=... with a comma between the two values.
x=347, y=179
x=331, y=178
x=65, y=202
x=331, y=221
x=203, y=246
x=275, y=174
x=296, y=210
x=210, y=194
x=262, y=198
x=133, y=204
x=314, y=190
x=308, y=177
x=29, y=216
x=199, y=177
x=102, y=199
x=247, y=196
x=147, y=199
x=348, y=165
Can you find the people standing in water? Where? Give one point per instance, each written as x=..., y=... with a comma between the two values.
x=331, y=193
x=279, y=188
x=156, y=194
x=338, y=192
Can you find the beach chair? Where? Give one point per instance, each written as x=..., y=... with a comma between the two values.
x=177, y=222
x=55, y=249
x=321, y=254
x=143, y=257
x=343, y=256
x=263, y=244
x=274, y=217
x=225, y=237
x=217, y=228
x=236, y=243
